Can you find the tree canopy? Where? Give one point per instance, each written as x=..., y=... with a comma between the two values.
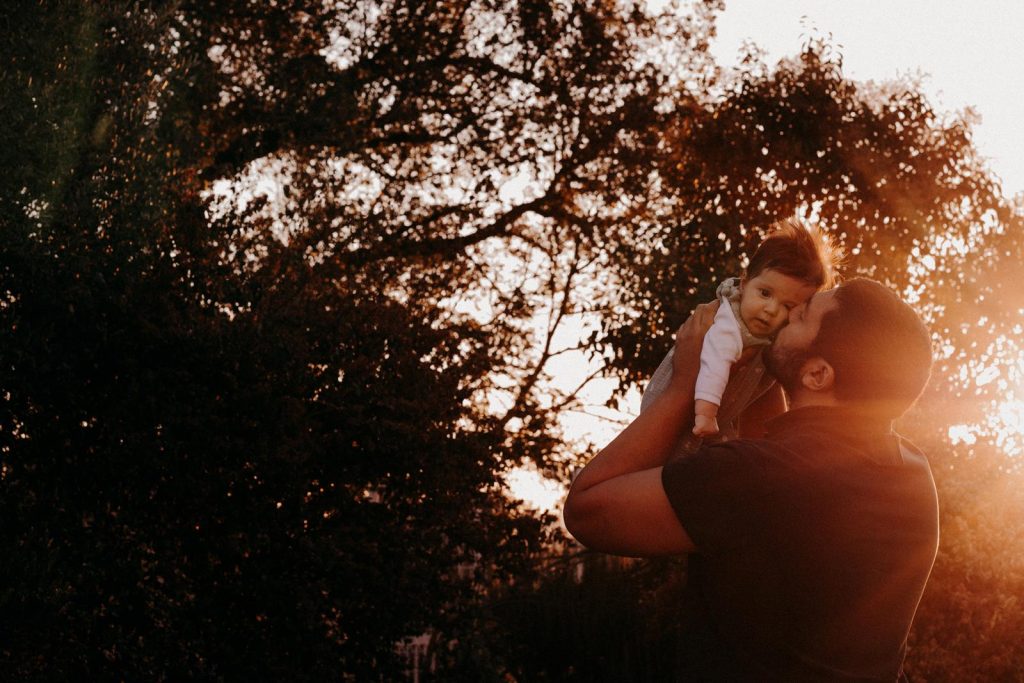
x=283, y=285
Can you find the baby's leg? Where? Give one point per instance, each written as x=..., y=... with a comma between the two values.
x=705, y=419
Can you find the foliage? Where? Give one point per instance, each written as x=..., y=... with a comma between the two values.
x=285, y=285
x=213, y=466
x=896, y=183
x=968, y=625
x=595, y=618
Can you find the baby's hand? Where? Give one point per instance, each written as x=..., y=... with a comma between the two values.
x=705, y=425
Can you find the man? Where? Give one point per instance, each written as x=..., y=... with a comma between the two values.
x=810, y=548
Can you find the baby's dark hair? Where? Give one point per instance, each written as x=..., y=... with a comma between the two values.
x=799, y=250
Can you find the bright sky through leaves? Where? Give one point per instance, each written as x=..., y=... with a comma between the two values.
x=970, y=55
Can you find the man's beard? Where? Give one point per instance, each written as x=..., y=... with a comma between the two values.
x=785, y=364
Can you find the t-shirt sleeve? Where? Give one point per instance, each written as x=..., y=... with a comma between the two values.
x=721, y=495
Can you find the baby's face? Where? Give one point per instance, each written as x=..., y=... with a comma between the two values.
x=767, y=298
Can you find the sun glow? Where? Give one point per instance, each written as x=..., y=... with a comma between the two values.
x=534, y=489
x=1008, y=425
x=1004, y=425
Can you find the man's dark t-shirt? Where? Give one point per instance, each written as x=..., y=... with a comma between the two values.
x=813, y=548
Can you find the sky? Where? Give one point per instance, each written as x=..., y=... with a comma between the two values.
x=970, y=54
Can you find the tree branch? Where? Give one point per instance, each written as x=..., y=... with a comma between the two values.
x=445, y=245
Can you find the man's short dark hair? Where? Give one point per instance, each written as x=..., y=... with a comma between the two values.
x=799, y=250
x=878, y=347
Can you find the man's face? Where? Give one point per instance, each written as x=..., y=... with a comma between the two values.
x=792, y=347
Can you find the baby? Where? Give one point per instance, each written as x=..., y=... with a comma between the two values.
x=788, y=267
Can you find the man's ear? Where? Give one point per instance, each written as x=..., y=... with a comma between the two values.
x=817, y=375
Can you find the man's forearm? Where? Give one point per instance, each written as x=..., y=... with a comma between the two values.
x=648, y=440
x=617, y=503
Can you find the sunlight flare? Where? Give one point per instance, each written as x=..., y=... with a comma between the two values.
x=534, y=489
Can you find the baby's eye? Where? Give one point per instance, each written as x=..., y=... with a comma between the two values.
x=766, y=293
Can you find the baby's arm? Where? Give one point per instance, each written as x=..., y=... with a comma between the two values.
x=723, y=345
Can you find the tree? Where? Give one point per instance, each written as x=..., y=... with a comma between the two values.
x=592, y=617
x=967, y=623
x=251, y=431
x=220, y=460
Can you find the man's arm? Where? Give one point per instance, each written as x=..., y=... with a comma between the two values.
x=617, y=504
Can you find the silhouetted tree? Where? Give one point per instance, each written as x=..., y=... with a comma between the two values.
x=252, y=432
